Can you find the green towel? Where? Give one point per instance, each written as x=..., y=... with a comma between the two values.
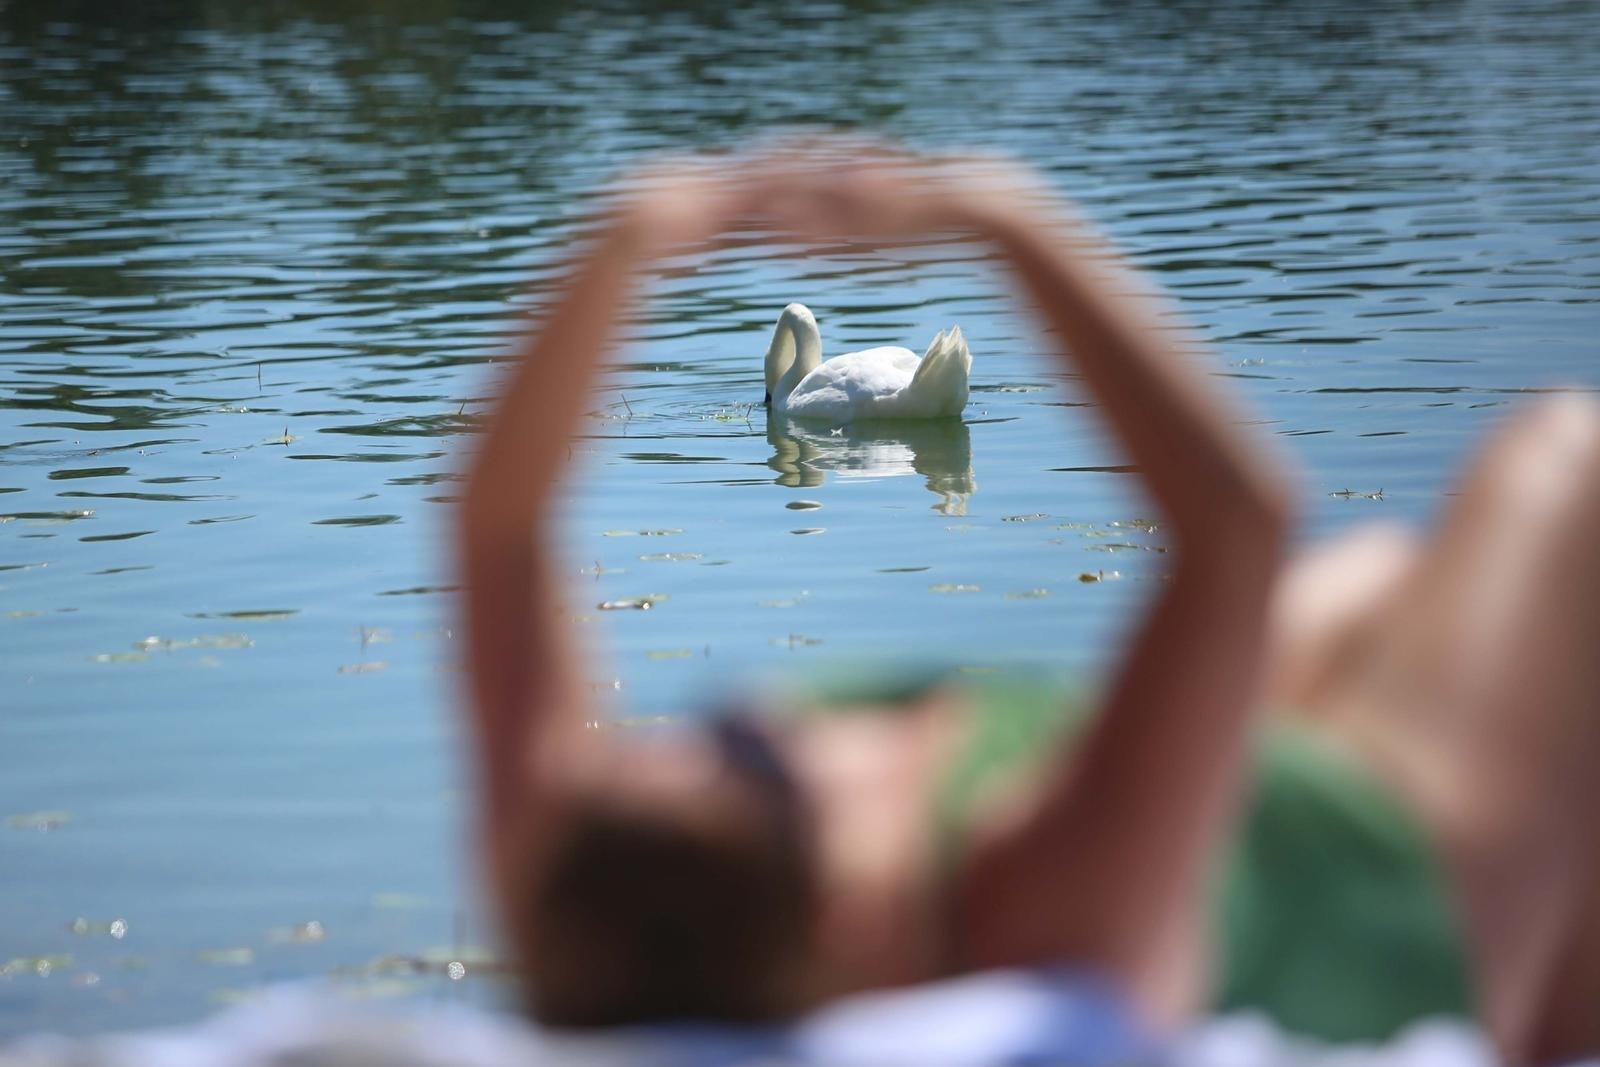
x=1332, y=914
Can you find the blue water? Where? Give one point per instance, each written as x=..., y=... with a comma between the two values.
x=255, y=266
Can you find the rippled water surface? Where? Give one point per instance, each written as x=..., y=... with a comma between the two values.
x=255, y=265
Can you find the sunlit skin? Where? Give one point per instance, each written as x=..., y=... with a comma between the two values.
x=1086, y=863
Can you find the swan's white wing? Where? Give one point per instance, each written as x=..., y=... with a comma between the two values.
x=854, y=384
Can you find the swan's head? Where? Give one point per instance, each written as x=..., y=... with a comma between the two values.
x=796, y=343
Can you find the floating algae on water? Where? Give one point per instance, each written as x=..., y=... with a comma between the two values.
x=41, y=821
x=170, y=644
x=43, y=966
x=374, y=635
x=635, y=603
x=451, y=962
x=116, y=929
x=298, y=934
x=796, y=641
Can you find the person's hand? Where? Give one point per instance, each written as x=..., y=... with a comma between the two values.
x=850, y=187
x=831, y=186
x=680, y=203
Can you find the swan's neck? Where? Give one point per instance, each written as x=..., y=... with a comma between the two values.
x=795, y=352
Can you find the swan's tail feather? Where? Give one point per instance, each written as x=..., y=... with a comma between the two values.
x=941, y=376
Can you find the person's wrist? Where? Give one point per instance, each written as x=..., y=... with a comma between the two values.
x=991, y=215
x=972, y=197
x=629, y=229
x=1012, y=220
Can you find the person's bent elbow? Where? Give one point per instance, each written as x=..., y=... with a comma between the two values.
x=1247, y=530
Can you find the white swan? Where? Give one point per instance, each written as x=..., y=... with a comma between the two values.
x=878, y=383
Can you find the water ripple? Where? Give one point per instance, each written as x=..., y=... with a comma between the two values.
x=256, y=262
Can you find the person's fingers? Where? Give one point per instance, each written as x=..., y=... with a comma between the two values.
x=818, y=185
x=826, y=148
x=832, y=195
x=681, y=201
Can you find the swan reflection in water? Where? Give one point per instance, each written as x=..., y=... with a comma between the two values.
x=938, y=449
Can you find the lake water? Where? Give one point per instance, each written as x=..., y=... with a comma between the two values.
x=256, y=260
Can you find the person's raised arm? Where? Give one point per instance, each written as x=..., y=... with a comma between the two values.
x=1110, y=868
x=1113, y=866
x=527, y=679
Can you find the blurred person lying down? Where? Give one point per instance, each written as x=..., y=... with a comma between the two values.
x=936, y=874
x=1420, y=839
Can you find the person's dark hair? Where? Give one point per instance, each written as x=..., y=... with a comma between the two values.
x=640, y=916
